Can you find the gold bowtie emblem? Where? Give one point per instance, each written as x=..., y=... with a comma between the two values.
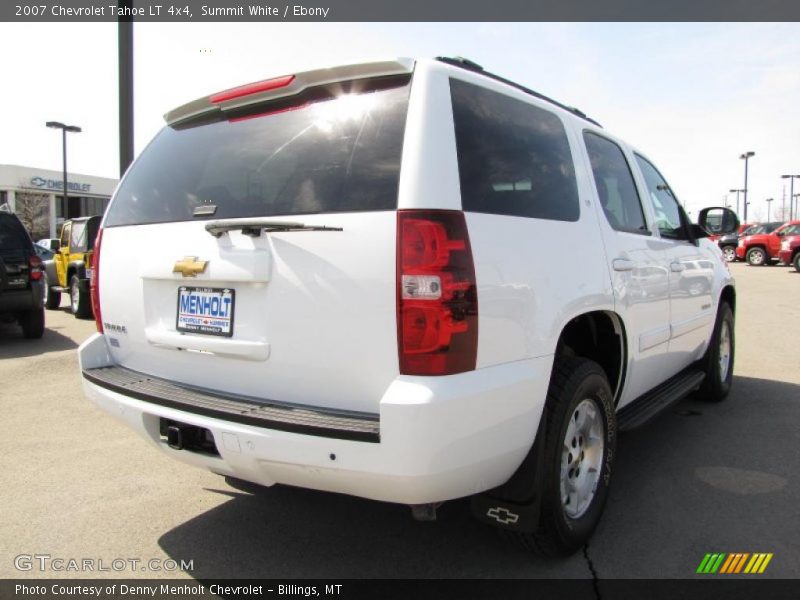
x=190, y=266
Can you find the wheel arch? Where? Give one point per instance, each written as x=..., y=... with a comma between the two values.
x=76, y=267
x=599, y=336
x=728, y=294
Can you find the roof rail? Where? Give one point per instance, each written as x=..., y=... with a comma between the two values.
x=465, y=63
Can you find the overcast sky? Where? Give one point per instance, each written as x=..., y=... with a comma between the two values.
x=691, y=96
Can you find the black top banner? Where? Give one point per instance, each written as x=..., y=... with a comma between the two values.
x=399, y=11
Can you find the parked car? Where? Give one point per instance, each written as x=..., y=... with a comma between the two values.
x=73, y=266
x=342, y=281
x=49, y=243
x=52, y=299
x=790, y=246
x=762, y=244
x=728, y=243
x=20, y=278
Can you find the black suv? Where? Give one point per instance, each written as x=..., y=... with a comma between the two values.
x=21, y=287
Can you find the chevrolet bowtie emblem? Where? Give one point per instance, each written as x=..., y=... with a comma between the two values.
x=190, y=266
x=502, y=515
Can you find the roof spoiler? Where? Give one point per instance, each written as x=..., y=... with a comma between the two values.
x=282, y=87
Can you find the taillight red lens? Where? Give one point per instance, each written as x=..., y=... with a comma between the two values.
x=94, y=282
x=437, y=298
x=35, y=268
x=252, y=88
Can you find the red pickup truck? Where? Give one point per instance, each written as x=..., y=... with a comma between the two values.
x=763, y=244
x=790, y=246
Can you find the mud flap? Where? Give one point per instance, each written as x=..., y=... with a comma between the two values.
x=516, y=504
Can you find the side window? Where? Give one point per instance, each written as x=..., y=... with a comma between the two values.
x=65, y=236
x=665, y=205
x=615, y=187
x=513, y=158
x=78, y=237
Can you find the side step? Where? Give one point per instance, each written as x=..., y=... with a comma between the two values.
x=647, y=406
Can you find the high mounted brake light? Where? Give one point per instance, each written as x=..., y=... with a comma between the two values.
x=437, y=299
x=252, y=88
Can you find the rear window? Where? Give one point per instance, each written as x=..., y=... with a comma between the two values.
x=513, y=158
x=13, y=237
x=334, y=155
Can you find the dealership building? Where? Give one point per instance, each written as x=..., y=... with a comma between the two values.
x=37, y=197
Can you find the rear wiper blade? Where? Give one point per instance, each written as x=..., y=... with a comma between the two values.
x=254, y=227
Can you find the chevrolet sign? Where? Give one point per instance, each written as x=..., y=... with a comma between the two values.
x=58, y=184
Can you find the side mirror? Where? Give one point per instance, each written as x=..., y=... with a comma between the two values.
x=718, y=220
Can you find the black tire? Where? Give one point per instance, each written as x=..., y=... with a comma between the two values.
x=52, y=299
x=757, y=256
x=573, y=381
x=79, y=299
x=796, y=262
x=715, y=386
x=729, y=252
x=32, y=323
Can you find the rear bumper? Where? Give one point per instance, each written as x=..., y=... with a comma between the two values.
x=439, y=437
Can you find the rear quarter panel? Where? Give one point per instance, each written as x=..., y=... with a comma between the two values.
x=534, y=275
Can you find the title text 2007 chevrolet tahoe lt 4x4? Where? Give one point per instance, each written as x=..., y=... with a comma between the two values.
x=356, y=280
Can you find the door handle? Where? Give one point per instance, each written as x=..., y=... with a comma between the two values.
x=622, y=264
x=676, y=267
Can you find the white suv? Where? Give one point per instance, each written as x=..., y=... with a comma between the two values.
x=410, y=281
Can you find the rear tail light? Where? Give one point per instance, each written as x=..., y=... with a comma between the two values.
x=437, y=298
x=35, y=268
x=94, y=282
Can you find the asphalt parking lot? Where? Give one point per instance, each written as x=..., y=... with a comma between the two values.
x=702, y=478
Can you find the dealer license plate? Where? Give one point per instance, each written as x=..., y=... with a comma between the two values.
x=206, y=310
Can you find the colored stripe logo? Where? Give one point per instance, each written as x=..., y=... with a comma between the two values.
x=735, y=562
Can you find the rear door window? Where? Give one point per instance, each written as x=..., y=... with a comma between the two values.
x=615, y=187
x=340, y=154
x=513, y=157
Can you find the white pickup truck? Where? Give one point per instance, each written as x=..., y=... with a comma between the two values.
x=410, y=281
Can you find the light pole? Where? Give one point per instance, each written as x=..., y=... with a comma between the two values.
x=746, y=156
x=737, y=199
x=796, y=202
x=791, y=179
x=769, y=203
x=64, y=129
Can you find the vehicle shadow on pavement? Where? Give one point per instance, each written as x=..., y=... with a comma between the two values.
x=705, y=477
x=701, y=477
x=14, y=345
x=284, y=532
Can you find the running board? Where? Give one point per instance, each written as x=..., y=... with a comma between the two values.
x=646, y=407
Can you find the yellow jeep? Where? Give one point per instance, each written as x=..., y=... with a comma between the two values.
x=73, y=266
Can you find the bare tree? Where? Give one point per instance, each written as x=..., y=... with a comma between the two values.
x=34, y=211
